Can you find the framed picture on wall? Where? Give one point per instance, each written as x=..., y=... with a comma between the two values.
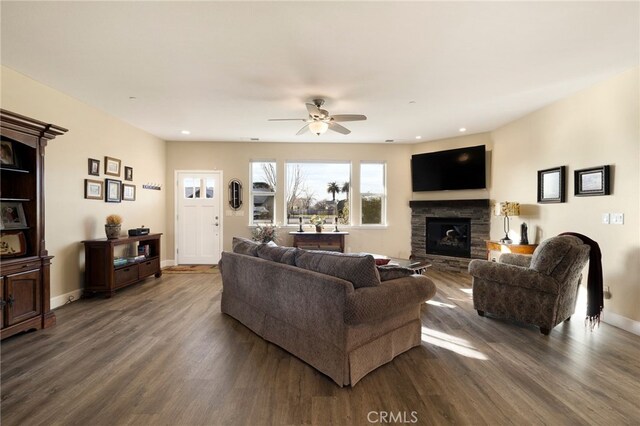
x=113, y=190
x=551, y=185
x=7, y=154
x=94, y=167
x=112, y=166
x=128, y=192
x=128, y=173
x=592, y=181
x=93, y=189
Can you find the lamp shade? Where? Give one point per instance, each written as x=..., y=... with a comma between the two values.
x=318, y=127
x=507, y=208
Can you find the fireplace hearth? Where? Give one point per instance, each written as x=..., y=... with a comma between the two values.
x=449, y=236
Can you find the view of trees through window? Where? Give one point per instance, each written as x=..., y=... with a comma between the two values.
x=318, y=189
x=263, y=191
x=372, y=193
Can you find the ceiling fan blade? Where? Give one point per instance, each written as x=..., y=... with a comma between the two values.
x=338, y=128
x=286, y=119
x=304, y=129
x=348, y=117
x=314, y=111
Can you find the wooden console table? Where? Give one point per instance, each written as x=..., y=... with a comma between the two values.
x=527, y=249
x=330, y=241
x=102, y=277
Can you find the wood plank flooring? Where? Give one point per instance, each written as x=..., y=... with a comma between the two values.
x=161, y=353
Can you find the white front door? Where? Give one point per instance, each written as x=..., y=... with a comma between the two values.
x=198, y=219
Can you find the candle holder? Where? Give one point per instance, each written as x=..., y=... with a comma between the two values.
x=336, y=227
x=300, y=226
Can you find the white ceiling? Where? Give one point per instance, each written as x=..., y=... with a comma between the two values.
x=221, y=69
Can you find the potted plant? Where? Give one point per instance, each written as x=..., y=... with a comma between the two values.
x=264, y=233
x=113, y=226
x=318, y=221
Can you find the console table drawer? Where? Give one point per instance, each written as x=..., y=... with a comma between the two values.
x=148, y=267
x=126, y=275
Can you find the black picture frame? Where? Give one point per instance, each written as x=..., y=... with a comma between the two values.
x=94, y=167
x=128, y=173
x=551, y=185
x=593, y=181
x=112, y=191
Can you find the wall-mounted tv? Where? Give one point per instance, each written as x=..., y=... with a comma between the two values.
x=462, y=168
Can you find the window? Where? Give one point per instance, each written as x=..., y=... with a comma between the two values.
x=193, y=188
x=373, y=193
x=263, y=191
x=321, y=189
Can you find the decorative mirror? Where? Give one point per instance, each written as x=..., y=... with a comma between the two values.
x=235, y=194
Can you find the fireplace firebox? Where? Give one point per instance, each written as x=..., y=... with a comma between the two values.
x=448, y=236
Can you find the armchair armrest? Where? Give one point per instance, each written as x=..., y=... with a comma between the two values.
x=512, y=275
x=515, y=259
x=371, y=303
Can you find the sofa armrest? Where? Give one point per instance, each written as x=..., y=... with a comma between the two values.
x=512, y=275
x=373, y=303
x=515, y=259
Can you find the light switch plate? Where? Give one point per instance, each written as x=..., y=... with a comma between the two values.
x=617, y=218
x=605, y=218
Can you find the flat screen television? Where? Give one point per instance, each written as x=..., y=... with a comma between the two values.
x=462, y=168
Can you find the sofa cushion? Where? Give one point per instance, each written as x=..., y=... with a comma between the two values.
x=359, y=269
x=392, y=272
x=244, y=246
x=278, y=254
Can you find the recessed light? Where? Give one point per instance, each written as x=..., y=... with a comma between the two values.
x=185, y=132
x=418, y=137
x=132, y=98
x=462, y=129
x=255, y=139
x=389, y=140
x=412, y=102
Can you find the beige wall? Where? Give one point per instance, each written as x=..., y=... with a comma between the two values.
x=597, y=126
x=233, y=159
x=92, y=134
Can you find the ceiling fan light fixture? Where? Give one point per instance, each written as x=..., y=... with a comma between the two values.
x=318, y=127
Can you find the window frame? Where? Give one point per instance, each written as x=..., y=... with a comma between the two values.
x=286, y=192
x=252, y=193
x=383, y=207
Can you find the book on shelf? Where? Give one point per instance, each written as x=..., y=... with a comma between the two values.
x=144, y=250
x=135, y=259
x=119, y=261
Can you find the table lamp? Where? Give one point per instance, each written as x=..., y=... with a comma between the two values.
x=506, y=209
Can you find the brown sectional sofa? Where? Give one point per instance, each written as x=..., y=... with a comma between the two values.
x=330, y=310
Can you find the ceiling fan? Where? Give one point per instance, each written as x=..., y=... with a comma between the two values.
x=319, y=120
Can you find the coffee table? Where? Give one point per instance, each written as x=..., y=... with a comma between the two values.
x=418, y=266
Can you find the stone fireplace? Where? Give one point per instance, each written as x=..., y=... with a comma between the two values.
x=449, y=233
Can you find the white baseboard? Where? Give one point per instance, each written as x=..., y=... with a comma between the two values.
x=167, y=263
x=58, y=301
x=621, y=322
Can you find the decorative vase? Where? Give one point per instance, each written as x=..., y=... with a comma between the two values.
x=318, y=228
x=112, y=231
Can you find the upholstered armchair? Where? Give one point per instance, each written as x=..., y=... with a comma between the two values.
x=540, y=290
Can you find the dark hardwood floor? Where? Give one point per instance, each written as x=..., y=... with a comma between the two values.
x=161, y=353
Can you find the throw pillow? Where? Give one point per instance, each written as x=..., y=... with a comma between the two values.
x=359, y=269
x=244, y=246
x=392, y=272
x=278, y=254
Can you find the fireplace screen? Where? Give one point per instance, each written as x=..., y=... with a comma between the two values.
x=449, y=236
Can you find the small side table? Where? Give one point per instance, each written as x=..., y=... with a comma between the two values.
x=526, y=249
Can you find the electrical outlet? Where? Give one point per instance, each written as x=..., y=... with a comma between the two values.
x=606, y=292
x=617, y=218
x=605, y=218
